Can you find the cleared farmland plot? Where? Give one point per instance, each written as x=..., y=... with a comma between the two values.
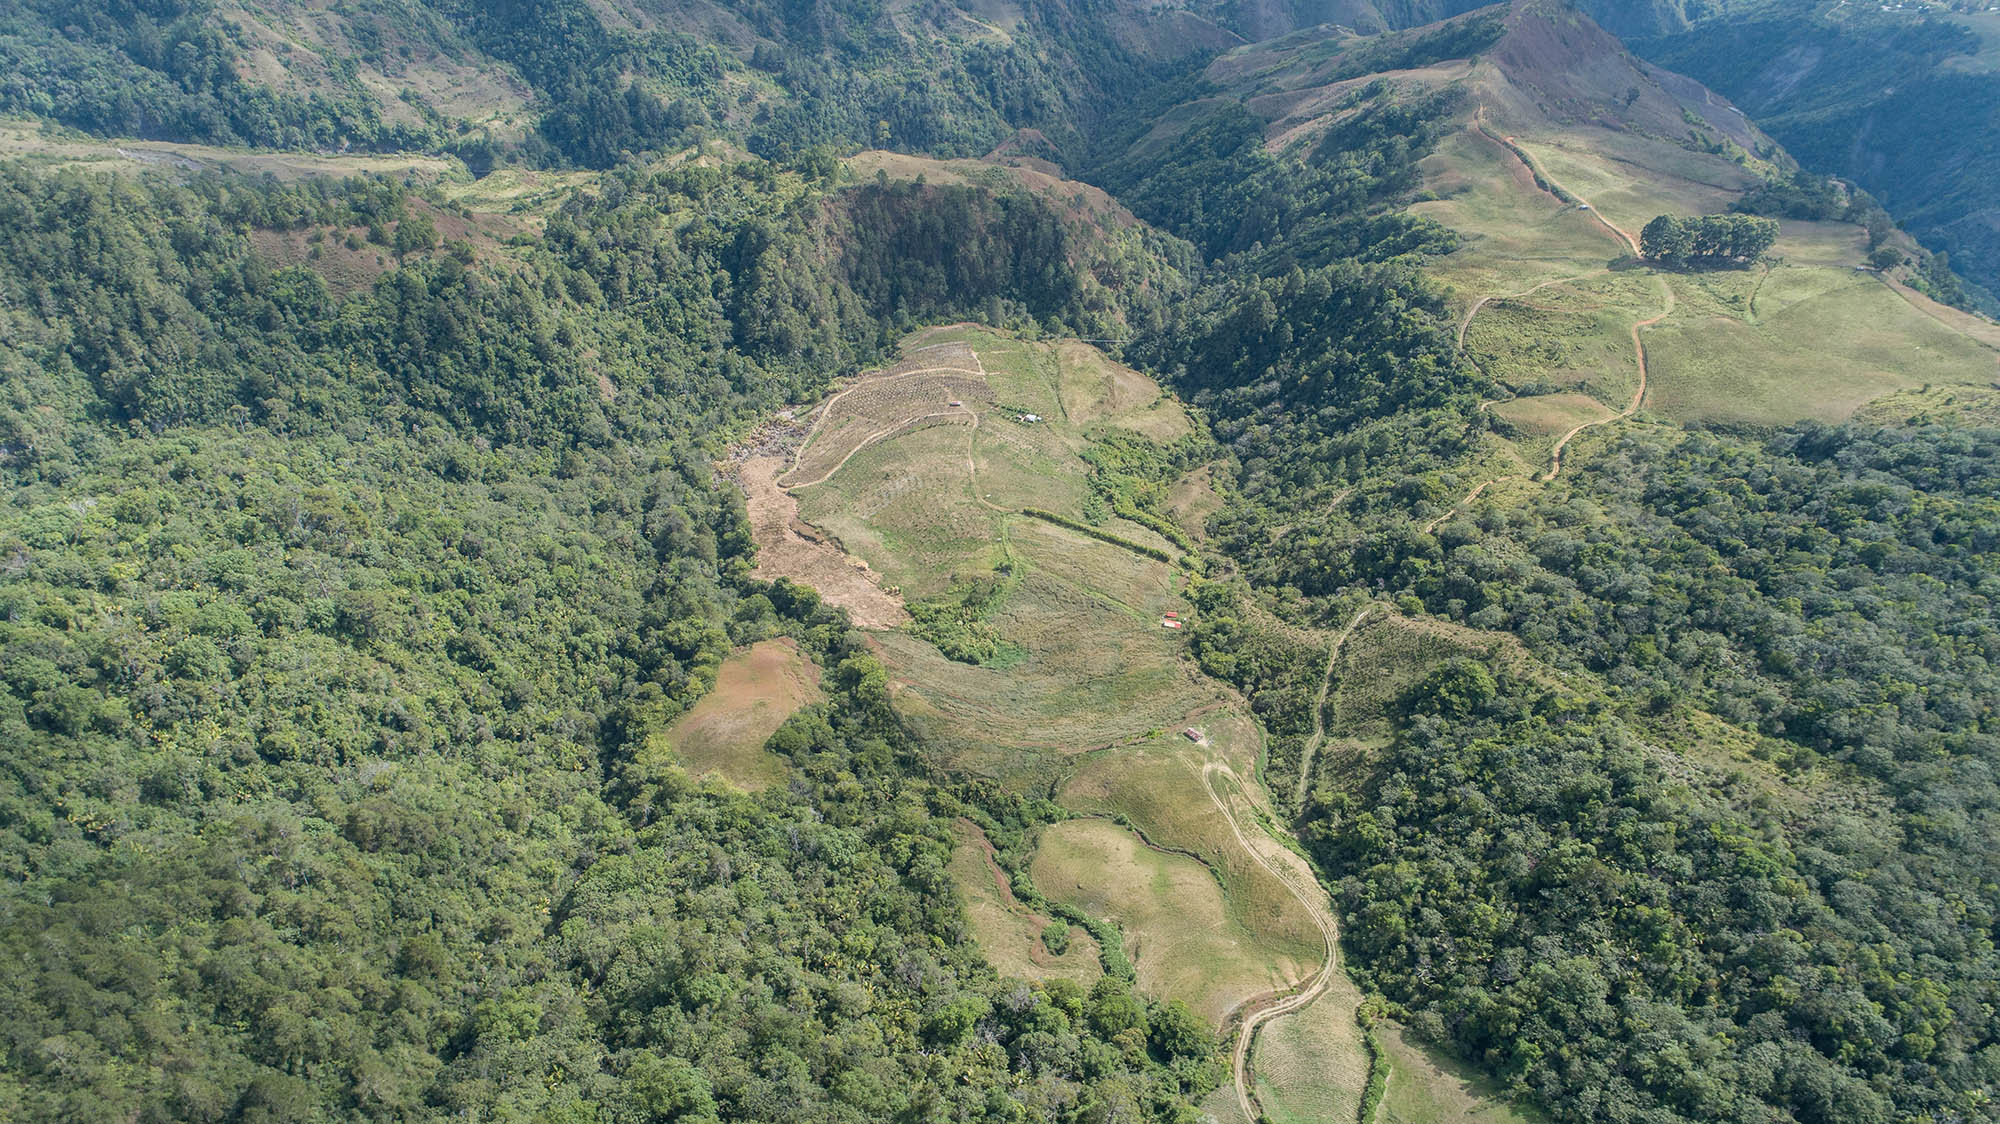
x=905, y=505
x=786, y=549
x=1094, y=675
x=1007, y=930
x=1093, y=695
x=1178, y=929
x=724, y=734
x=1157, y=786
x=880, y=405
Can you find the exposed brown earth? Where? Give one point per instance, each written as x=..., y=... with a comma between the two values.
x=789, y=548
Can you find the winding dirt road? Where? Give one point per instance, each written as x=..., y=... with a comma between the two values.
x=1304, y=887
x=869, y=384
x=1454, y=509
x=1638, y=396
x=1638, y=345
x=1561, y=190
x=1319, y=706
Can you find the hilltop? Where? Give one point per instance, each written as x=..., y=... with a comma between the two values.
x=1896, y=98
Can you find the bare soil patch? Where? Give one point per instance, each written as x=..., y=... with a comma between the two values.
x=788, y=548
x=755, y=691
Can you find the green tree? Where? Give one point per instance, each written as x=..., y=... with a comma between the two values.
x=1667, y=239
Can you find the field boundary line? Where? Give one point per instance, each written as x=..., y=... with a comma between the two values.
x=826, y=411
x=874, y=439
x=1321, y=912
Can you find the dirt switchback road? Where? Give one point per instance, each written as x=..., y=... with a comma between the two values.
x=1638, y=396
x=1290, y=870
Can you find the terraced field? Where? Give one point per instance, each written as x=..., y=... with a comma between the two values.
x=922, y=474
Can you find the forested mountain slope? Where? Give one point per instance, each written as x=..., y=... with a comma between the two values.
x=1615, y=635
x=337, y=624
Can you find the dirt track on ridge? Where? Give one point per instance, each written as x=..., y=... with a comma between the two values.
x=1638, y=396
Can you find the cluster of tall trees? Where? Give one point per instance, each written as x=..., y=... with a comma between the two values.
x=166, y=70
x=1529, y=881
x=1521, y=872
x=1214, y=183
x=1708, y=240
x=333, y=629
x=1884, y=102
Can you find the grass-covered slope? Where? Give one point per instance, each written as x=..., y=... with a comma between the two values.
x=1449, y=757
x=1899, y=101
x=376, y=579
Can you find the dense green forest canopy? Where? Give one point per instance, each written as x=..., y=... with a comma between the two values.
x=1728, y=240
x=334, y=629
x=849, y=75
x=1532, y=880
x=335, y=619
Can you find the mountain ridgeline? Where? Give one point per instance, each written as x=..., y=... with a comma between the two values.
x=369, y=377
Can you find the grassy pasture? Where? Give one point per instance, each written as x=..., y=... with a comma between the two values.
x=1962, y=406
x=1193, y=499
x=1427, y=1087
x=1986, y=60
x=22, y=138
x=1007, y=930
x=1540, y=420
x=1095, y=389
x=1547, y=414
x=1157, y=786
x=723, y=735
x=1825, y=342
x=1312, y=1064
x=1178, y=927
x=1575, y=336
x=1804, y=337
x=1144, y=587
x=1629, y=179
x=1515, y=235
